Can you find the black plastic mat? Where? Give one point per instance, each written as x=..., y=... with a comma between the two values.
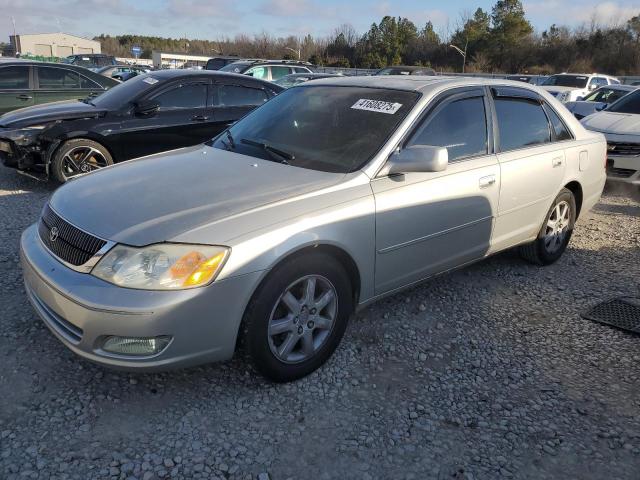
x=622, y=312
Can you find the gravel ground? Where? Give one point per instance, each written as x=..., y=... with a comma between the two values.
x=486, y=373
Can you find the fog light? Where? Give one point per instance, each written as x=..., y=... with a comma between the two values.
x=136, y=346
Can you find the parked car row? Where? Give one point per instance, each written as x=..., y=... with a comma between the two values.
x=25, y=83
x=329, y=196
x=165, y=110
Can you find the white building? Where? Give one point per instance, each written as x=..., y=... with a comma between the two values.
x=177, y=60
x=53, y=44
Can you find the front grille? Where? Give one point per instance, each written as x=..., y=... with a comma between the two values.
x=624, y=148
x=70, y=244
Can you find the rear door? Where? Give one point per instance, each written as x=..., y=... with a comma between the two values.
x=182, y=120
x=16, y=87
x=532, y=165
x=233, y=100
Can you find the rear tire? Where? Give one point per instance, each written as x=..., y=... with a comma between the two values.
x=555, y=232
x=78, y=156
x=297, y=317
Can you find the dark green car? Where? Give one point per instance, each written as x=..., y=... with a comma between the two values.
x=25, y=83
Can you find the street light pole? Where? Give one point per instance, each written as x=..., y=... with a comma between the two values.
x=294, y=51
x=461, y=52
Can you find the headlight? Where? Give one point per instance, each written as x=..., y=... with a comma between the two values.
x=24, y=135
x=163, y=266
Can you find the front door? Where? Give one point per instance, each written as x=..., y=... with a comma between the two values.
x=15, y=87
x=428, y=223
x=183, y=119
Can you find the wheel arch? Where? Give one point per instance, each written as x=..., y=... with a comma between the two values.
x=335, y=251
x=60, y=141
x=575, y=188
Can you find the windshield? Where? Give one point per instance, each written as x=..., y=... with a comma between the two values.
x=605, y=95
x=627, y=104
x=326, y=128
x=291, y=80
x=124, y=93
x=80, y=61
x=236, y=67
x=576, y=81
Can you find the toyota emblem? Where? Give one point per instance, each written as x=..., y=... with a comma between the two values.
x=53, y=234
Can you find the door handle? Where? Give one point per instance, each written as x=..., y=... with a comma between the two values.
x=556, y=162
x=24, y=96
x=199, y=118
x=487, y=181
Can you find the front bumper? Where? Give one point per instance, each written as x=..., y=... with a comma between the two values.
x=81, y=310
x=624, y=169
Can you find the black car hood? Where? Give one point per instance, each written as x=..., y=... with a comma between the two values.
x=66, y=110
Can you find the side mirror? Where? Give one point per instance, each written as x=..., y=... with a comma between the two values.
x=417, y=158
x=147, y=108
x=579, y=99
x=592, y=86
x=599, y=108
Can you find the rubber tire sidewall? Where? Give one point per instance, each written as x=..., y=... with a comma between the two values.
x=544, y=256
x=259, y=311
x=56, y=162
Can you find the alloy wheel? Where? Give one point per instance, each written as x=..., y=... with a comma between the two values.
x=557, y=227
x=81, y=160
x=302, y=319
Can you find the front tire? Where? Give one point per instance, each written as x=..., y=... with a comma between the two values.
x=555, y=232
x=298, y=316
x=78, y=156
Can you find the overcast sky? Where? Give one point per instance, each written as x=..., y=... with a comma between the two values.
x=215, y=19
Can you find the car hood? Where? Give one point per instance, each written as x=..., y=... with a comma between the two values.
x=66, y=110
x=583, y=108
x=156, y=198
x=612, y=122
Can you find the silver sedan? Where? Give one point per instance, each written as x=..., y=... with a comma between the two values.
x=325, y=199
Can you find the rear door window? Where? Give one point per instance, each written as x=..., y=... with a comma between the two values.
x=239, y=96
x=460, y=126
x=57, y=78
x=192, y=95
x=88, y=83
x=522, y=123
x=12, y=78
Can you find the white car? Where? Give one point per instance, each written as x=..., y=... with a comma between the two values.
x=598, y=100
x=620, y=123
x=567, y=87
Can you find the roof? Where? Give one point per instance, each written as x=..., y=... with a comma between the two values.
x=418, y=83
x=177, y=73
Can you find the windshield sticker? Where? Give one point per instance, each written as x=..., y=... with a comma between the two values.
x=151, y=80
x=376, y=106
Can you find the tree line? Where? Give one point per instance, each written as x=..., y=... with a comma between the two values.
x=500, y=41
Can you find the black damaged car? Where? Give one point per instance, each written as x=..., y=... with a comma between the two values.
x=151, y=113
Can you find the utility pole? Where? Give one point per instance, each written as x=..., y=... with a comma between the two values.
x=462, y=52
x=15, y=37
x=294, y=51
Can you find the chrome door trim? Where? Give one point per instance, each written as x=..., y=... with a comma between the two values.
x=433, y=235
